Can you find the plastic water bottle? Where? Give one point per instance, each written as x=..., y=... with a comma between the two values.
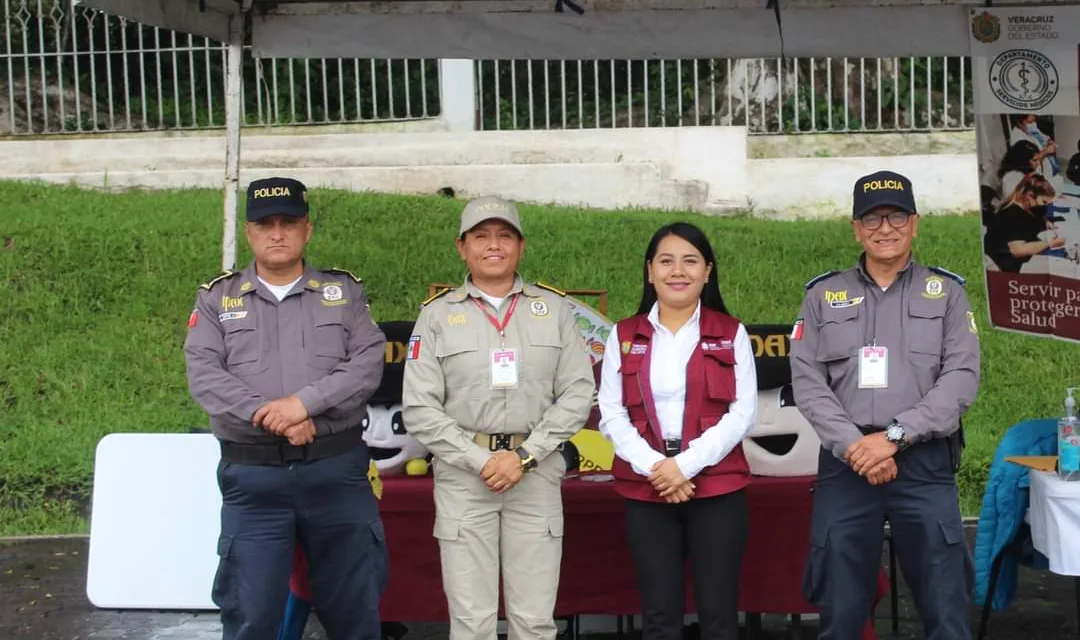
x=1068, y=430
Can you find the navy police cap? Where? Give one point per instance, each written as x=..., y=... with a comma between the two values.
x=882, y=189
x=276, y=196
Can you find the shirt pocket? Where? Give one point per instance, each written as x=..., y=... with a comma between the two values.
x=328, y=340
x=243, y=346
x=840, y=334
x=544, y=346
x=925, y=332
x=839, y=339
x=631, y=387
x=720, y=375
x=926, y=319
x=458, y=352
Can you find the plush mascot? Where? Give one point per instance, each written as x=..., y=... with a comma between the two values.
x=782, y=442
x=393, y=450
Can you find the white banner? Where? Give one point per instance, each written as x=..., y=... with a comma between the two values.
x=1024, y=60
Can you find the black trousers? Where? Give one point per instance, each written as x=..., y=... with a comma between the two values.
x=712, y=533
x=923, y=510
x=328, y=508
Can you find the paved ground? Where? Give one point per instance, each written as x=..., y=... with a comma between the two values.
x=43, y=596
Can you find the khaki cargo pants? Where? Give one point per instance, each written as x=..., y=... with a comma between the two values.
x=520, y=532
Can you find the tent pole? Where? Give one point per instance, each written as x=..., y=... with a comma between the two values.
x=233, y=106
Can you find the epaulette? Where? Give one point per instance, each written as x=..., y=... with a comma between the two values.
x=945, y=272
x=818, y=278
x=552, y=289
x=224, y=276
x=346, y=272
x=438, y=294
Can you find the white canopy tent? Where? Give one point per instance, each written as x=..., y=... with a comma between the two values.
x=550, y=29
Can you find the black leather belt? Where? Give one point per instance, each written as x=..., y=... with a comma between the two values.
x=672, y=447
x=284, y=453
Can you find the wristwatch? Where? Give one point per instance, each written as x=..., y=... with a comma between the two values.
x=894, y=433
x=528, y=462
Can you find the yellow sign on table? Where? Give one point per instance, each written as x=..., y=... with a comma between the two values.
x=594, y=451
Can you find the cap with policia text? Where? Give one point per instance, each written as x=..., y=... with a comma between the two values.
x=488, y=208
x=882, y=189
x=276, y=196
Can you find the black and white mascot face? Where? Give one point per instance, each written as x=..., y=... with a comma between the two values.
x=390, y=444
x=782, y=442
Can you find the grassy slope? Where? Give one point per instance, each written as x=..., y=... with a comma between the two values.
x=96, y=290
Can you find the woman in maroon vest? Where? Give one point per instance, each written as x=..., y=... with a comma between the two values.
x=678, y=394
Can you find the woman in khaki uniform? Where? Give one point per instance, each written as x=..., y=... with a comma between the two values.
x=497, y=378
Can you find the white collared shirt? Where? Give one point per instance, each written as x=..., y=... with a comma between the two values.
x=667, y=375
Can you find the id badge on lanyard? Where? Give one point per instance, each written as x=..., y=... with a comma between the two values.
x=502, y=362
x=873, y=367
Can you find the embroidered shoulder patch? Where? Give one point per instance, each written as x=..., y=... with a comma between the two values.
x=413, y=350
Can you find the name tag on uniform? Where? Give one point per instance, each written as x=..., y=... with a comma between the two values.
x=504, y=368
x=873, y=367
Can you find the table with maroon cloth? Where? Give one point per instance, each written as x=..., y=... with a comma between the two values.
x=597, y=574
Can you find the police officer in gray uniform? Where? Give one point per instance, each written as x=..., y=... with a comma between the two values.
x=283, y=357
x=885, y=360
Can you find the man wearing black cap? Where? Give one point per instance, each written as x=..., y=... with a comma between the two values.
x=283, y=357
x=884, y=361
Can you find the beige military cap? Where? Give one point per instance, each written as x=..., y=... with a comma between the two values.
x=487, y=208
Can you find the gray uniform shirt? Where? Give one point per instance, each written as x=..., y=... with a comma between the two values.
x=244, y=349
x=447, y=395
x=925, y=321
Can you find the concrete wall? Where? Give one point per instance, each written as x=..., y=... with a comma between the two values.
x=703, y=169
x=813, y=187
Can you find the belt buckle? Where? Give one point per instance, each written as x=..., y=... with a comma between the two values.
x=672, y=447
x=499, y=441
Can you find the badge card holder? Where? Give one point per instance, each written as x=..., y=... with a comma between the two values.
x=504, y=369
x=873, y=367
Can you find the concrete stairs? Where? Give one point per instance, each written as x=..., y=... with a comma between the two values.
x=697, y=169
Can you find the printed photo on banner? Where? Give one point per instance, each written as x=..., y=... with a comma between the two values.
x=1027, y=102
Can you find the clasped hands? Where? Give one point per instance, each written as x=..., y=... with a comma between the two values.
x=871, y=456
x=287, y=417
x=669, y=482
x=502, y=471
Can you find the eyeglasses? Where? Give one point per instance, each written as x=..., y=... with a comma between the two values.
x=897, y=220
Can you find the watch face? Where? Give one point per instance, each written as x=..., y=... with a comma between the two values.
x=894, y=432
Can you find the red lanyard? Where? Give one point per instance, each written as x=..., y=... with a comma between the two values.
x=501, y=328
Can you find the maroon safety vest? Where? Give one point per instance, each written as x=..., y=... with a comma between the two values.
x=710, y=390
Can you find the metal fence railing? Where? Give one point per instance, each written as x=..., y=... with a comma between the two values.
x=765, y=95
x=68, y=69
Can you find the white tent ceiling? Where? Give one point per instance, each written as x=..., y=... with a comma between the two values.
x=633, y=29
